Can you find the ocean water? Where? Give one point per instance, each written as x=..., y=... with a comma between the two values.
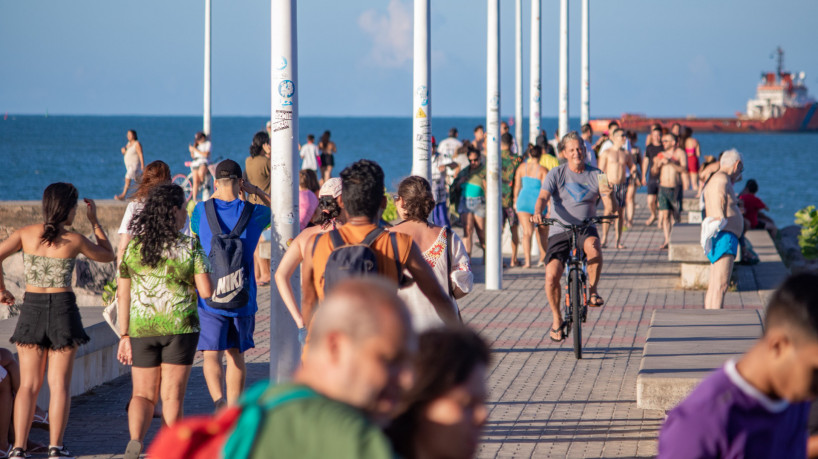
x=85, y=150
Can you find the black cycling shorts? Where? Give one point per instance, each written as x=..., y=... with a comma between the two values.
x=558, y=244
x=152, y=351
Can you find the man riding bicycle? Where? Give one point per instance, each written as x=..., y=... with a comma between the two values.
x=573, y=189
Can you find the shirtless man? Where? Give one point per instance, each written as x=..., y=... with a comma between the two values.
x=652, y=148
x=615, y=162
x=668, y=166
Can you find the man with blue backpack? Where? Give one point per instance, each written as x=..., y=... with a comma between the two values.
x=229, y=229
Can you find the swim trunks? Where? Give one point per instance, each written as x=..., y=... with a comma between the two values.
x=620, y=191
x=724, y=243
x=667, y=198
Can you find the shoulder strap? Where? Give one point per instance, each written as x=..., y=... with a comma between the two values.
x=212, y=218
x=372, y=235
x=244, y=218
x=337, y=240
x=449, y=260
x=394, y=240
x=252, y=415
x=315, y=243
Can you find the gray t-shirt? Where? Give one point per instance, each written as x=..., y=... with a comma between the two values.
x=573, y=196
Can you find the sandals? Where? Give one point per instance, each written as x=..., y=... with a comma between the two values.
x=560, y=331
x=595, y=301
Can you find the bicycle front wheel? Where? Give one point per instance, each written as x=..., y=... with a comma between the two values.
x=575, y=291
x=183, y=181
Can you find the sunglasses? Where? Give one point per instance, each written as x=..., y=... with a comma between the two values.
x=474, y=160
x=395, y=197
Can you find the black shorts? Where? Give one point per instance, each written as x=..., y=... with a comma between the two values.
x=558, y=245
x=50, y=321
x=152, y=351
x=327, y=159
x=653, y=186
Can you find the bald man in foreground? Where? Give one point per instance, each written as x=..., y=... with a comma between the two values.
x=357, y=365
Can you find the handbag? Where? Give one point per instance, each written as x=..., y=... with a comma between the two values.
x=110, y=316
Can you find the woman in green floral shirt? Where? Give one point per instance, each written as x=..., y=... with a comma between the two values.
x=159, y=276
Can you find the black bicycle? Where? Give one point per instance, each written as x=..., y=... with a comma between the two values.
x=576, y=295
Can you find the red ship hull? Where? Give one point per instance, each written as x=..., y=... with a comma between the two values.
x=794, y=119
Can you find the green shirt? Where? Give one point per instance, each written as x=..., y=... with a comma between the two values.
x=473, y=185
x=508, y=167
x=317, y=427
x=163, y=299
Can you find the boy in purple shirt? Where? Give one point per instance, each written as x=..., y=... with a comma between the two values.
x=757, y=406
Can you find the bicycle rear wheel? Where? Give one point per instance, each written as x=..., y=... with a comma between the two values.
x=184, y=182
x=574, y=289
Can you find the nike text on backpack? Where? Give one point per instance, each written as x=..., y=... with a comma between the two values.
x=355, y=260
x=230, y=276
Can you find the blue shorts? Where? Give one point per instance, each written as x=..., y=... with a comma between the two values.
x=724, y=243
x=220, y=333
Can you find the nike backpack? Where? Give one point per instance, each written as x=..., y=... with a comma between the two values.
x=229, y=277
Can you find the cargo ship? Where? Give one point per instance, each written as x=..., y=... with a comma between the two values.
x=782, y=104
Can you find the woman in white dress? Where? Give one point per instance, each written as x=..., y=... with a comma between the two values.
x=134, y=163
x=451, y=266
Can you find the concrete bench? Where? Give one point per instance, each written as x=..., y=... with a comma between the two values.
x=683, y=346
x=96, y=361
x=685, y=245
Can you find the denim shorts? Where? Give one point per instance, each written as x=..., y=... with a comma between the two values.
x=49, y=321
x=476, y=206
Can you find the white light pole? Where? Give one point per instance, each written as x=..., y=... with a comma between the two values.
x=422, y=94
x=494, y=257
x=284, y=348
x=563, y=90
x=585, y=110
x=518, y=78
x=535, y=105
x=206, y=127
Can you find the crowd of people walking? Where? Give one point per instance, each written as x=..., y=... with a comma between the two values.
x=387, y=366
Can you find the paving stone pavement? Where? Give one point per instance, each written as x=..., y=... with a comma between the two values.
x=543, y=402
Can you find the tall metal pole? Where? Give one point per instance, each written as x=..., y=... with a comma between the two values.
x=422, y=96
x=563, y=92
x=284, y=348
x=494, y=260
x=585, y=110
x=535, y=106
x=518, y=77
x=206, y=127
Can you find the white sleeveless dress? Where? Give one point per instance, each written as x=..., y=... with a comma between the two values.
x=132, y=170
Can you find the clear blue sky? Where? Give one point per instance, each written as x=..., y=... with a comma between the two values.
x=699, y=57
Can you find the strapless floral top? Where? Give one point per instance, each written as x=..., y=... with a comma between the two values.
x=48, y=272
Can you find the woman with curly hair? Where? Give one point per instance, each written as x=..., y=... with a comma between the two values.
x=442, y=249
x=159, y=276
x=50, y=329
x=444, y=413
x=328, y=217
x=156, y=173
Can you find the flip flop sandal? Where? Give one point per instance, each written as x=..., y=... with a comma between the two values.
x=561, y=332
x=595, y=301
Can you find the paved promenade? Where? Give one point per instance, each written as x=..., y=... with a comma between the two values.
x=543, y=403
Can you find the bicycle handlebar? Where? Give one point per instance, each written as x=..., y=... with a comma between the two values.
x=585, y=223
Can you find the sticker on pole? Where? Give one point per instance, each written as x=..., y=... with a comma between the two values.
x=286, y=89
x=420, y=114
x=423, y=95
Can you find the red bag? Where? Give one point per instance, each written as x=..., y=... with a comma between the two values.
x=196, y=437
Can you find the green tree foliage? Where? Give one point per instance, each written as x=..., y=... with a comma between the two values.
x=807, y=218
